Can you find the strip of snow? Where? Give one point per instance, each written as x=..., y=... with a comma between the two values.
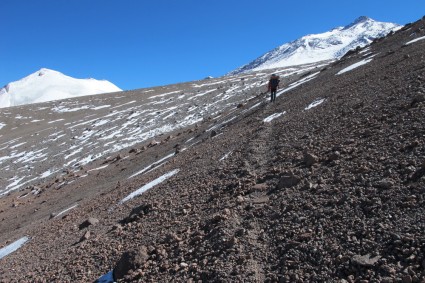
x=15, y=185
x=256, y=105
x=73, y=153
x=225, y=156
x=356, y=65
x=98, y=168
x=149, y=186
x=47, y=174
x=131, y=102
x=190, y=139
x=62, y=109
x=415, y=40
x=221, y=124
x=13, y=247
x=298, y=83
x=201, y=94
x=31, y=156
x=365, y=50
x=66, y=210
x=2, y=125
x=315, y=103
x=56, y=121
x=273, y=116
x=17, y=145
x=152, y=165
x=100, y=107
x=163, y=94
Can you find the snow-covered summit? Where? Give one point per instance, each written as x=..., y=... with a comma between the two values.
x=330, y=45
x=47, y=85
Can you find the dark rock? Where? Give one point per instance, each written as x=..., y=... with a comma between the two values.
x=287, y=181
x=130, y=260
x=310, y=159
x=88, y=222
x=385, y=184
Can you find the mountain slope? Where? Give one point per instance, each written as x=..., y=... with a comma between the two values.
x=325, y=185
x=47, y=85
x=326, y=46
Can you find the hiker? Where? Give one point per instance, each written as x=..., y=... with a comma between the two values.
x=273, y=86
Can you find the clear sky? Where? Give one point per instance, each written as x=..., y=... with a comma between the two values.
x=142, y=43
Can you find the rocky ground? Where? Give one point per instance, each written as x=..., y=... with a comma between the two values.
x=334, y=193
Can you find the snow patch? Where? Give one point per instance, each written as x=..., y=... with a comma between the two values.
x=151, y=166
x=315, y=103
x=149, y=186
x=13, y=247
x=273, y=116
x=415, y=40
x=51, y=122
x=298, y=83
x=354, y=66
x=225, y=156
x=66, y=210
x=98, y=168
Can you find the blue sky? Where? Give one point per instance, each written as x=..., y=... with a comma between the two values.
x=142, y=43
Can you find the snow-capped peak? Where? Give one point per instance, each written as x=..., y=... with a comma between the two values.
x=47, y=85
x=330, y=45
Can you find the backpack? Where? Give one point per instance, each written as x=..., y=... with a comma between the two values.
x=274, y=81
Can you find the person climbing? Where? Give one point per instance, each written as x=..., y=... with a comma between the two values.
x=273, y=86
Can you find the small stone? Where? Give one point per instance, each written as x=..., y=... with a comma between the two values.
x=260, y=187
x=240, y=199
x=184, y=265
x=310, y=159
x=86, y=236
x=288, y=180
x=365, y=260
x=385, y=184
x=334, y=156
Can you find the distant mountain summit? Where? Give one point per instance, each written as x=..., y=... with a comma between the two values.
x=47, y=85
x=313, y=48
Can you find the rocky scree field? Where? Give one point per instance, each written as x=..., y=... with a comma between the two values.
x=324, y=185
